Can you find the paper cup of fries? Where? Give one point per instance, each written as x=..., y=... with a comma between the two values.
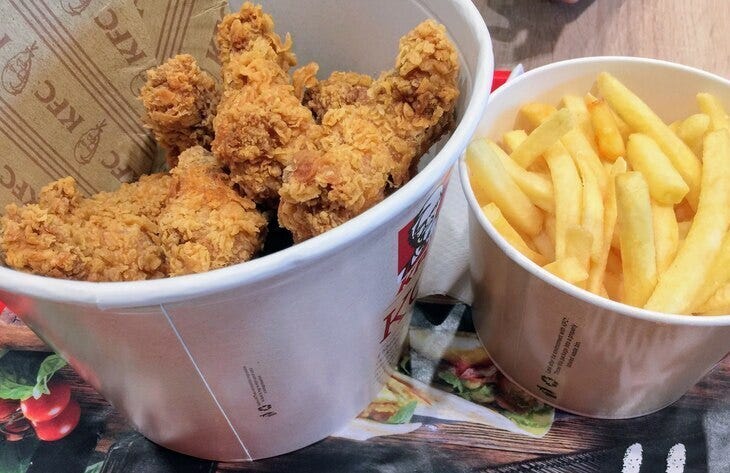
x=599, y=191
x=264, y=357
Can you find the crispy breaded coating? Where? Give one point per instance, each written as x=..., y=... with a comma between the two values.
x=162, y=225
x=304, y=78
x=326, y=187
x=260, y=121
x=419, y=96
x=180, y=101
x=206, y=224
x=369, y=147
x=237, y=30
x=336, y=91
x=111, y=236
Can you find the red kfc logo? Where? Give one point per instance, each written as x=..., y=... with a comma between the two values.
x=413, y=241
x=414, y=236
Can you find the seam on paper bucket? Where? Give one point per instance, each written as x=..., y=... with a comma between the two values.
x=205, y=382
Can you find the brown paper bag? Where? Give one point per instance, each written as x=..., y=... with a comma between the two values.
x=69, y=75
x=184, y=26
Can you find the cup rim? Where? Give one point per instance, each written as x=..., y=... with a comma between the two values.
x=533, y=268
x=158, y=291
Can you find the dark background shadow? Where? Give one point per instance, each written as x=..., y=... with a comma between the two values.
x=523, y=29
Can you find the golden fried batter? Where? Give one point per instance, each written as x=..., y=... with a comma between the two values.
x=206, y=224
x=111, y=236
x=162, y=225
x=237, y=30
x=338, y=90
x=367, y=147
x=260, y=121
x=180, y=101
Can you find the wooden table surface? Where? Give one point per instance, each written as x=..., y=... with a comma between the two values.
x=537, y=32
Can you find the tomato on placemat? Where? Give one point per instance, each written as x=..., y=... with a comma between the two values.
x=61, y=425
x=48, y=405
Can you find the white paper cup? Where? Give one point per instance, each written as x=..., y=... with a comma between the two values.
x=568, y=347
x=268, y=356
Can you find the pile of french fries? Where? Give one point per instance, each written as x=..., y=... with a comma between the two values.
x=605, y=195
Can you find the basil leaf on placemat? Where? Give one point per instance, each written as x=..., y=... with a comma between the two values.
x=26, y=374
x=48, y=368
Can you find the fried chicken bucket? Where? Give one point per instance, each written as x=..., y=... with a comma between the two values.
x=264, y=357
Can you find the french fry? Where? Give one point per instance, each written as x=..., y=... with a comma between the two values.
x=718, y=304
x=577, y=107
x=711, y=106
x=681, y=283
x=666, y=186
x=567, y=188
x=578, y=245
x=638, y=254
x=718, y=275
x=614, y=283
x=544, y=244
x=683, y=229
x=544, y=136
x=512, y=139
x=494, y=215
x=596, y=276
x=491, y=180
x=666, y=234
x=692, y=130
x=568, y=269
x=621, y=125
x=618, y=202
x=581, y=150
x=592, y=212
x=538, y=187
x=642, y=119
x=608, y=137
x=531, y=115
x=550, y=229
x=623, y=128
x=539, y=166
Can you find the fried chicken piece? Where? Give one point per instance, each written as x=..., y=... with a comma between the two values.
x=367, y=148
x=326, y=187
x=164, y=224
x=111, y=236
x=304, y=78
x=260, y=121
x=338, y=90
x=180, y=102
x=419, y=96
x=206, y=224
x=237, y=30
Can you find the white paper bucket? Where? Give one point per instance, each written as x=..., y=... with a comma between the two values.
x=570, y=348
x=268, y=356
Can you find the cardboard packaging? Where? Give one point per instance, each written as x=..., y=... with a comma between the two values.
x=570, y=348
